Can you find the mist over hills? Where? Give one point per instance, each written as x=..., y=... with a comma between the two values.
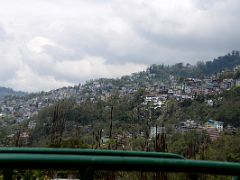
x=10, y=92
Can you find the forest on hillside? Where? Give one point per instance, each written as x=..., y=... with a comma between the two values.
x=127, y=115
x=200, y=69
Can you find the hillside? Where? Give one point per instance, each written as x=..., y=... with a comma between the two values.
x=123, y=113
x=89, y=124
x=201, y=69
x=161, y=74
x=185, y=81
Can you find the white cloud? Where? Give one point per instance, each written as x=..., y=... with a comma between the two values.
x=38, y=44
x=61, y=42
x=29, y=81
x=94, y=67
x=64, y=73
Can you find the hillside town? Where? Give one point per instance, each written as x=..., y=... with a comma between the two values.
x=19, y=109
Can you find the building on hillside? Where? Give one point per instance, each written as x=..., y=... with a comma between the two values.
x=105, y=140
x=227, y=84
x=213, y=133
x=170, y=93
x=156, y=130
x=2, y=115
x=210, y=102
x=212, y=124
x=230, y=130
x=187, y=125
x=237, y=82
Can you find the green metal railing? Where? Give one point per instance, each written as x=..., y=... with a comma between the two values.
x=81, y=159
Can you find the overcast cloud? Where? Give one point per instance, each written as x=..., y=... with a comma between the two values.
x=49, y=44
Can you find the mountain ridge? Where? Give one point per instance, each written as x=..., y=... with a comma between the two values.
x=4, y=91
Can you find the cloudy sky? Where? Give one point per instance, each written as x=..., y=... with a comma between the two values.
x=46, y=44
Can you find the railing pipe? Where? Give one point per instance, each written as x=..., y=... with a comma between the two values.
x=23, y=158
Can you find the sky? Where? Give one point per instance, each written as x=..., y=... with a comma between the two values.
x=48, y=44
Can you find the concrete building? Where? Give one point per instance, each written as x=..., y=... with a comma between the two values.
x=212, y=124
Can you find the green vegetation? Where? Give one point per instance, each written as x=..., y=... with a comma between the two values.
x=86, y=123
x=125, y=120
x=201, y=69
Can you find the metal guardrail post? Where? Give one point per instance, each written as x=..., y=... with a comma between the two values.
x=87, y=174
x=7, y=174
